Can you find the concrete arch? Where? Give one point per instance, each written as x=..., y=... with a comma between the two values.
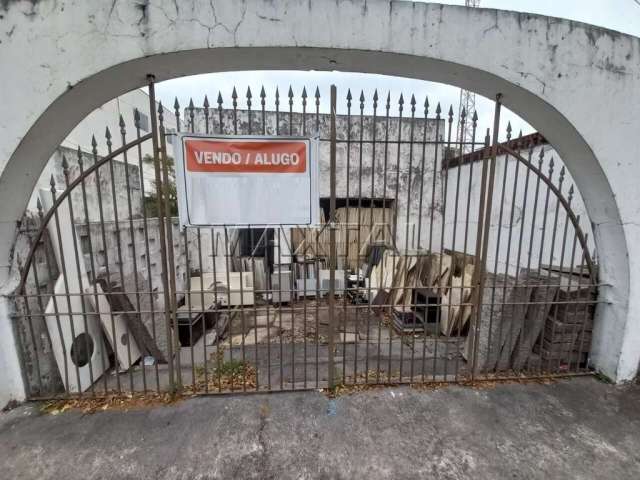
x=576, y=83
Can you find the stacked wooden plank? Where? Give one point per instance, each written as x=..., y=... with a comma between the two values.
x=512, y=317
x=487, y=333
x=540, y=320
x=356, y=229
x=445, y=277
x=540, y=297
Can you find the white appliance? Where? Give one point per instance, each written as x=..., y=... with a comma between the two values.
x=324, y=276
x=308, y=289
x=123, y=343
x=79, y=351
x=234, y=288
x=281, y=286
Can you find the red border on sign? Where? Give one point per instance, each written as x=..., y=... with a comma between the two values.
x=238, y=156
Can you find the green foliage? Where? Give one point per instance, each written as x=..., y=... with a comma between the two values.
x=232, y=368
x=151, y=198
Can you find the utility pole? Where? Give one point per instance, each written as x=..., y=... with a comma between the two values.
x=464, y=135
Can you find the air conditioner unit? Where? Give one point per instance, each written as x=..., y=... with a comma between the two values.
x=229, y=288
x=325, y=282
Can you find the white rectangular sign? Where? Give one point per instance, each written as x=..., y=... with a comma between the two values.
x=246, y=180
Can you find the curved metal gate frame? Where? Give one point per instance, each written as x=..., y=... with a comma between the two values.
x=226, y=373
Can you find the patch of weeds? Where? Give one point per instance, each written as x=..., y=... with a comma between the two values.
x=232, y=368
x=223, y=375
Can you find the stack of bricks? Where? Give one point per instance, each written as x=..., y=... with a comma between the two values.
x=566, y=338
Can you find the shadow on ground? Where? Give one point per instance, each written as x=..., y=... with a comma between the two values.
x=572, y=429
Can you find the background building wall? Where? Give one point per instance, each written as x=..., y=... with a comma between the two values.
x=511, y=214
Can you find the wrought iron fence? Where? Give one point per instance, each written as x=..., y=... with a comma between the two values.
x=430, y=264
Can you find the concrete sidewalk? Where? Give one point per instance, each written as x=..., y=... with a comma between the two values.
x=572, y=429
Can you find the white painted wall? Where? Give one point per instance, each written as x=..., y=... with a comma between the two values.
x=108, y=116
x=511, y=216
x=549, y=71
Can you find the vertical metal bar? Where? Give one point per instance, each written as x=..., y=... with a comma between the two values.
x=587, y=306
x=65, y=170
x=169, y=233
x=94, y=152
x=304, y=268
x=145, y=227
x=468, y=214
x=555, y=232
x=281, y=357
x=54, y=300
x=509, y=340
x=202, y=287
x=187, y=294
x=317, y=260
x=188, y=272
x=65, y=279
x=408, y=290
x=544, y=227
x=521, y=236
x=556, y=305
x=398, y=154
x=219, y=333
x=347, y=229
x=220, y=123
x=191, y=108
x=263, y=110
x=161, y=226
x=422, y=164
x=234, y=103
x=227, y=255
x=394, y=235
x=569, y=284
x=358, y=238
x=116, y=220
x=290, y=95
x=205, y=106
x=242, y=323
x=484, y=222
x=374, y=122
x=460, y=147
x=497, y=259
x=437, y=144
x=535, y=210
x=277, y=103
x=291, y=302
x=93, y=280
x=418, y=244
x=123, y=139
x=441, y=289
x=253, y=261
x=255, y=305
x=249, y=112
x=332, y=237
x=291, y=264
x=384, y=226
x=268, y=246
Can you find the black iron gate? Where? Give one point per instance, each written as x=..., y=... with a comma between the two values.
x=430, y=264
